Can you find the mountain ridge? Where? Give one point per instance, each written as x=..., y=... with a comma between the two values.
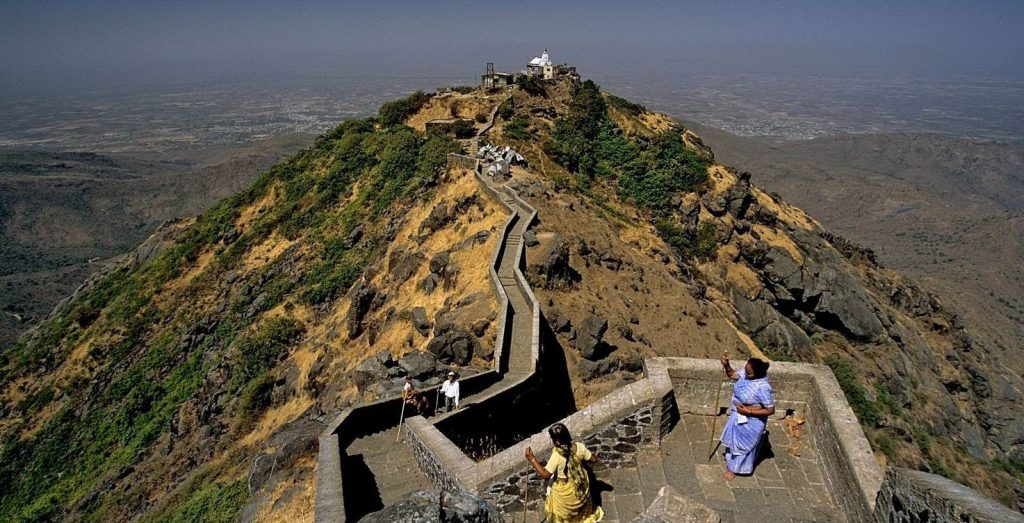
x=161, y=388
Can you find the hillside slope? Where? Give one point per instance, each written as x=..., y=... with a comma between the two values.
x=65, y=215
x=190, y=382
x=944, y=210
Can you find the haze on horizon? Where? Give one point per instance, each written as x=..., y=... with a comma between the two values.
x=62, y=46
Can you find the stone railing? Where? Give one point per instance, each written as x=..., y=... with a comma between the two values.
x=852, y=473
x=650, y=401
x=912, y=495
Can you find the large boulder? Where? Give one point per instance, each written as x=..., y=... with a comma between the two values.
x=372, y=370
x=549, y=263
x=402, y=264
x=451, y=344
x=589, y=337
x=434, y=506
x=420, y=365
x=420, y=321
x=365, y=298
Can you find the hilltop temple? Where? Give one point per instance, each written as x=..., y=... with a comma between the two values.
x=539, y=67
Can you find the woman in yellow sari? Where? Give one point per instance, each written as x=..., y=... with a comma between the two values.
x=568, y=499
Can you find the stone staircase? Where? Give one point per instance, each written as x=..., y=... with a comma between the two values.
x=377, y=469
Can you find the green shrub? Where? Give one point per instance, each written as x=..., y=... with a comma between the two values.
x=505, y=110
x=630, y=108
x=255, y=397
x=518, y=129
x=866, y=410
x=689, y=243
x=1011, y=465
x=395, y=112
x=259, y=350
x=463, y=89
x=885, y=443
x=210, y=502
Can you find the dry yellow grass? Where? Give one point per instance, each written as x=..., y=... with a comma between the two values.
x=774, y=238
x=251, y=212
x=265, y=252
x=786, y=212
x=274, y=418
x=440, y=108
x=738, y=273
x=656, y=121
x=300, y=504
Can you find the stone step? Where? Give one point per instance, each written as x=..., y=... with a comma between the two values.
x=650, y=468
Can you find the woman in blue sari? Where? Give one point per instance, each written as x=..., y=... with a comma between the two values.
x=753, y=402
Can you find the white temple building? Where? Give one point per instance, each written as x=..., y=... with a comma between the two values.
x=541, y=66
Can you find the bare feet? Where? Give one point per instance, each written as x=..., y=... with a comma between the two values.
x=728, y=475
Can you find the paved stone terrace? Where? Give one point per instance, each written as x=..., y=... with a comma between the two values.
x=784, y=487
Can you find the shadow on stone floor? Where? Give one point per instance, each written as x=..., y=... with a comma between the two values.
x=361, y=495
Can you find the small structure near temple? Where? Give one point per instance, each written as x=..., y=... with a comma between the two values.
x=493, y=80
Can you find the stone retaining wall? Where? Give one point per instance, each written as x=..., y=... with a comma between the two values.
x=914, y=496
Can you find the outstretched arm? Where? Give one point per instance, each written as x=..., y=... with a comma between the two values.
x=542, y=472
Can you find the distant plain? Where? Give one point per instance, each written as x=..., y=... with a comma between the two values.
x=882, y=160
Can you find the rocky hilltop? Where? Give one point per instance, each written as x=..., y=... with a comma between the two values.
x=190, y=381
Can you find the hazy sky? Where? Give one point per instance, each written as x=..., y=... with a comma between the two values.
x=71, y=44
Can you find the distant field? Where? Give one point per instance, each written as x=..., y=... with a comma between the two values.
x=63, y=215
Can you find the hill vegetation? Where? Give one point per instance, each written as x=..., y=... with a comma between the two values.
x=155, y=392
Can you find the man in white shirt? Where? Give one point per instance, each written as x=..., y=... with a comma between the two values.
x=450, y=389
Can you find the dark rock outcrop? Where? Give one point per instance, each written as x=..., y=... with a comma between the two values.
x=365, y=298
x=549, y=266
x=420, y=365
x=589, y=339
x=451, y=344
x=420, y=321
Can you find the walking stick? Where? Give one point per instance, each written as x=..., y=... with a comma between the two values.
x=401, y=418
x=526, y=496
x=714, y=420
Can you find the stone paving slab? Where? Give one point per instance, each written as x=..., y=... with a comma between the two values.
x=779, y=489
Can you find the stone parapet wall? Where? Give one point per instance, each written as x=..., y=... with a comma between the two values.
x=441, y=460
x=616, y=445
x=462, y=161
x=912, y=495
x=330, y=504
x=852, y=473
x=637, y=414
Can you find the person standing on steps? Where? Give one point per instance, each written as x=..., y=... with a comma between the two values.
x=753, y=402
x=568, y=499
x=450, y=389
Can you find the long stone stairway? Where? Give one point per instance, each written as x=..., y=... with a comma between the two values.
x=378, y=469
